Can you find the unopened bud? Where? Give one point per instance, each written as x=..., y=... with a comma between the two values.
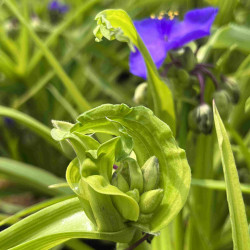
x=183, y=77
x=88, y=168
x=150, y=200
x=135, y=174
x=233, y=89
x=134, y=194
x=150, y=172
x=223, y=103
x=188, y=59
x=201, y=119
x=145, y=218
x=172, y=72
x=140, y=96
x=119, y=181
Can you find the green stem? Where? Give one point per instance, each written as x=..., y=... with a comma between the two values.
x=201, y=198
x=182, y=138
x=80, y=101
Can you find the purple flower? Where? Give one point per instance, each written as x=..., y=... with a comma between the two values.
x=55, y=5
x=160, y=36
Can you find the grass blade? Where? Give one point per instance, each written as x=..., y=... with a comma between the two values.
x=234, y=196
x=32, y=209
x=54, y=225
x=217, y=185
x=30, y=176
x=31, y=123
x=80, y=101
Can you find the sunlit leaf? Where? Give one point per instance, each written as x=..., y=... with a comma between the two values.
x=116, y=24
x=30, y=176
x=54, y=225
x=234, y=196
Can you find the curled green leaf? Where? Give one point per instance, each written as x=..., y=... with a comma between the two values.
x=151, y=137
x=116, y=24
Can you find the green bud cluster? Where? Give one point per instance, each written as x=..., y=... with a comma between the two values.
x=232, y=88
x=142, y=184
x=180, y=71
x=200, y=119
x=188, y=59
x=226, y=97
x=223, y=103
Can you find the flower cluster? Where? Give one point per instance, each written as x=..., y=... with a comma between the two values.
x=163, y=35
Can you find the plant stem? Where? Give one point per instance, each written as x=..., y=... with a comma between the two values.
x=137, y=243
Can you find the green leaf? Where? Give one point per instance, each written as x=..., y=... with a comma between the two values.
x=54, y=225
x=128, y=207
x=33, y=209
x=116, y=24
x=151, y=137
x=247, y=105
x=30, y=122
x=30, y=176
x=217, y=185
x=226, y=8
x=226, y=37
x=234, y=196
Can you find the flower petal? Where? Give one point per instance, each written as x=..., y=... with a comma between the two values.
x=154, y=35
x=197, y=24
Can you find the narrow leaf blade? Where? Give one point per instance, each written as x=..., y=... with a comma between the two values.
x=234, y=196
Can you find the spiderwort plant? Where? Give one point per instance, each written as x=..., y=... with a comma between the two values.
x=165, y=36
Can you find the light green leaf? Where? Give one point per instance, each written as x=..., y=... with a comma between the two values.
x=226, y=8
x=234, y=196
x=33, y=209
x=217, y=185
x=151, y=137
x=128, y=207
x=226, y=37
x=30, y=176
x=116, y=24
x=54, y=225
x=247, y=105
x=30, y=122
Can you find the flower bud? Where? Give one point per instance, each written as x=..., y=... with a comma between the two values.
x=183, y=77
x=201, y=119
x=172, y=72
x=140, y=96
x=89, y=168
x=150, y=200
x=150, y=172
x=188, y=59
x=144, y=218
x=233, y=89
x=134, y=194
x=119, y=181
x=223, y=103
x=135, y=174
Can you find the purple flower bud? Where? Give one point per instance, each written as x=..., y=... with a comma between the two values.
x=56, y=6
